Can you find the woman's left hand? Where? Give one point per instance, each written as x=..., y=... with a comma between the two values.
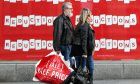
x=93, y=53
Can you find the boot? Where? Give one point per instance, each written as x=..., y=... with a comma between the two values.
x=90, y=79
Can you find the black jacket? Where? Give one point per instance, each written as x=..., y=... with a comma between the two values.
x=63, y=32
x=84, y=38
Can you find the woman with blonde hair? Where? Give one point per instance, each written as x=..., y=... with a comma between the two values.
x=84, y=43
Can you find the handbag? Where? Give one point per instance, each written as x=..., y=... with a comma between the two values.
x=76, y=77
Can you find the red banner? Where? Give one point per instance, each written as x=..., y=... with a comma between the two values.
x=26, y=27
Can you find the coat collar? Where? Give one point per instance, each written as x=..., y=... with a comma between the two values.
x=67, y=19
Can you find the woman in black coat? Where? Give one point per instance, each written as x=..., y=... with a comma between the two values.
x=84, y=43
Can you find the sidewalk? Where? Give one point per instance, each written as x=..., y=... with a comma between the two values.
x=124, y=81
x=23, y=71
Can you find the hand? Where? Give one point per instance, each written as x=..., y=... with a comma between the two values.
x=85, y=56
x=58, y=52
x=93, y=53
x=91, y=27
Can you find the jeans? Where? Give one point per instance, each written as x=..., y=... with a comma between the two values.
x=90, y=65
x=66, y=52
x=80, y=62
x=83, y=62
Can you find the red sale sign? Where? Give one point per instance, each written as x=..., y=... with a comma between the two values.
x=26, y=27
x=52, y=68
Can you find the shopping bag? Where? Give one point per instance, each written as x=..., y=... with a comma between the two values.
x=52, y=69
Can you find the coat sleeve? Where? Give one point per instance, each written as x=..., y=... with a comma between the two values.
x=57, y=33
x=94, y=40
x=84, y=38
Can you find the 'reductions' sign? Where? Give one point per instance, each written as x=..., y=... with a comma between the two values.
x=26, y=28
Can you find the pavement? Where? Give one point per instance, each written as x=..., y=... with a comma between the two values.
x=118, y=81
x=122, y=81
x=106, y=72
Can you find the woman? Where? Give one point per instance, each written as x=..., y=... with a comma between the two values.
x=84, y=43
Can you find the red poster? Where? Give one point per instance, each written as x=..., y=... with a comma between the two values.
x=26, y=28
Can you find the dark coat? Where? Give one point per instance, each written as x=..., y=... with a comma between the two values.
x=63, y=32
x=84, y=40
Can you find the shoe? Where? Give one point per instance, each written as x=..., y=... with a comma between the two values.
x=90, y=80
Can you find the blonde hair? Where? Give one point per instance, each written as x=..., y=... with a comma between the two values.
x=84, y=14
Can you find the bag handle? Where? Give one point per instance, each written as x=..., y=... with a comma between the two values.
x=54, y=53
